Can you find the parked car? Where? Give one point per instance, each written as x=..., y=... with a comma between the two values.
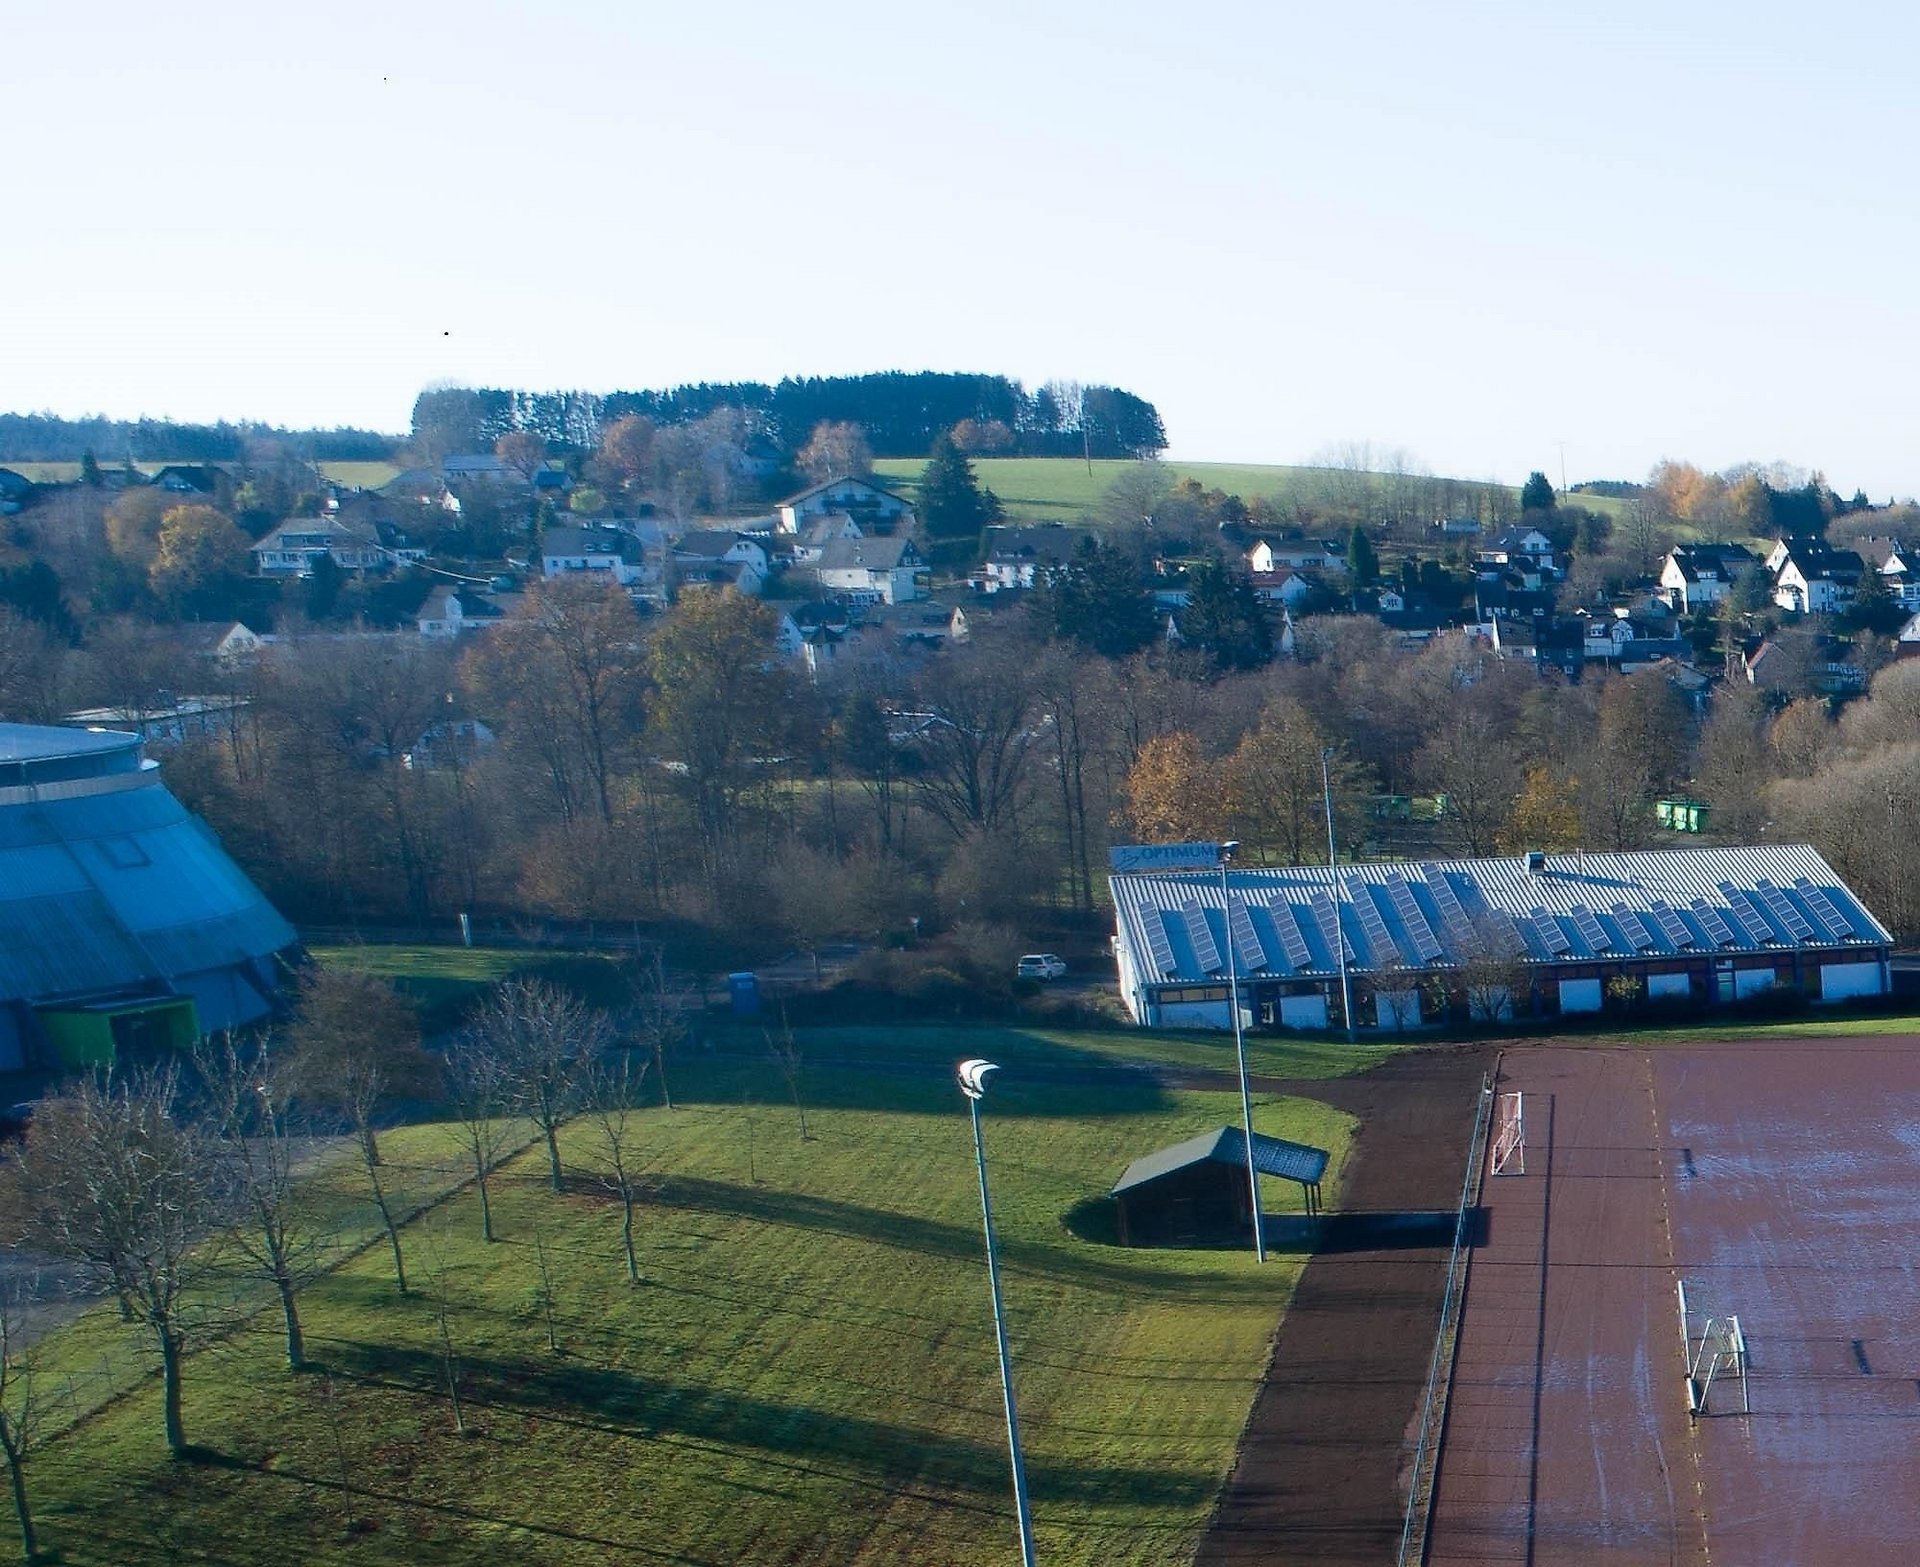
x=1040, y=965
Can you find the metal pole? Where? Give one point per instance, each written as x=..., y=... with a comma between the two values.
x=1340, y=940
x=1000, y=1336
x=1240, y=1052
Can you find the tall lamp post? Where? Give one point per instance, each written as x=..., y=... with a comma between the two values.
x=1339, y=939
x=1227, y=851
x=973, y=1083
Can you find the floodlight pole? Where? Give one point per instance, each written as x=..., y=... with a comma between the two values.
x=1339, y=939
x=1227, y=852
x=973, y=1083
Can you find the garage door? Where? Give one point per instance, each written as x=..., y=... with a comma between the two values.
x=1841, y=980
x=1579, y=995
x=1303, y=1011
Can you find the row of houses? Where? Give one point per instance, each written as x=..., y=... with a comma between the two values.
x=1807, y=575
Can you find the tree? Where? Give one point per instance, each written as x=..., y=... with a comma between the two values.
x=837, y=449
x=546, y=1040
x=1546, y=816
x=626, y=455
x=1225, y=620
x=1099, y=600
x=522, y=451
x=1537, y=493
x=1363, y=565
x=133, y=524
x=611, y=1093
x=198, y=550
x=974, y=754
x=784, y=1051
x=1875, y=612
x=481, y=1096
x=354, y=1045
x=1271, y=784
x=1493, y=977
x=1173, y=791
x=248, y=1095
x=22, y=1406
x=113, y=1182
x=953, y=503
x=657, y=1020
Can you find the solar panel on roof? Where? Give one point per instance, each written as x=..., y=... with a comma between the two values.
x=1385, y=949
x=1716, y=926
x=1751, y=920
x=1635, y=928
x=1425, y=946
x=1550, y=932
x=1592, y=932
x=1784, y=911
x=1204, y=950
x=1674, y=926
x=1824, y=909
x=1299, y=954
x=1155, y=921
x=1452, y=915
x=1330, y=928
x=1245, y=939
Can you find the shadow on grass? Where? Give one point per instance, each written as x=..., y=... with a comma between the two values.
x=797, y=1438
x=933, y=1237
x=1096, y=1221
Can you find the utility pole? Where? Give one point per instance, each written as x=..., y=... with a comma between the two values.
x=1339, y=936
x=1227, y=852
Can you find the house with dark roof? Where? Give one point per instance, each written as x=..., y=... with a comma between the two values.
x=16, y=492
x=1698, y=576
x=873, y=570
x=877, y=509
x=572, y=553
x=1020, y=557
x=293, y=548
x=187, y=478
x=450, y=611
x=1811, y=577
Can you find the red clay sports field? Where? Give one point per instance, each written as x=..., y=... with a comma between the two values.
x=1780, y=1180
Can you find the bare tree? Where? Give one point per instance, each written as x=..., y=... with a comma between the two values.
x=22, y=1407
x=482, y=1099
x=612, y=1095
x=113, y=1182
x=545, y=1039
x=784, y=1050
x=248, y=1096
x=659, y=1020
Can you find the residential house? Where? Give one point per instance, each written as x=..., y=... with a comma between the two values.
x=1526, y=549
x=449, y=745
x=1898, y=565
x=1284, y=586
x=1414, y=616
x=820, y=635
x=571, y=552
x=1458, y=527
x=1698, y=576
x=1907, y=644
x=920, y=625
x=877, y=510
x=483, y=467
x=16, y=492
x=293, y=548
x=720, y=559
x=1265, y=554
x=1505, y=597
x=873, y=571
x=818, y=532
x=1020, y=557
x=1811, y=577
x=449, y=611
x=223, y=641
x=187, y=479
x=1546, y=643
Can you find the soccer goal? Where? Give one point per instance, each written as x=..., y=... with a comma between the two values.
x=1713, y=1349
x=1508, y=1152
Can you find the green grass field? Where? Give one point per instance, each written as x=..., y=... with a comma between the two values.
x=361, y=475
x=807, y=1375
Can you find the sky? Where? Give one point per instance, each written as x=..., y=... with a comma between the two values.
x=1495, y=237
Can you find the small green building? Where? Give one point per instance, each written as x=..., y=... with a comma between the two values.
x=1682, y=813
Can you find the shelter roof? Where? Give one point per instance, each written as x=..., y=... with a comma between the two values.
x=1227, y=1145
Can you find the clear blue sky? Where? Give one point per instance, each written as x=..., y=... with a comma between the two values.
x=1473, y=232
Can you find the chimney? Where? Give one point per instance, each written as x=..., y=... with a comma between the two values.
x=1536, y=862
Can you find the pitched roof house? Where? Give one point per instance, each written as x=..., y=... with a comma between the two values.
x=293, y=548
x=882, y=571
x=1696, y=576
x=1811, y=577
x=876, y=509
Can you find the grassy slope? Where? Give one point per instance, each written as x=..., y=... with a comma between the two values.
x=807, y=1377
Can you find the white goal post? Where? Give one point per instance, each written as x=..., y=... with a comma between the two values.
x=1713, y=1349
x=1507, y=1154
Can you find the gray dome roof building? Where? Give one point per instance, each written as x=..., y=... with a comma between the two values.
x=123, y=923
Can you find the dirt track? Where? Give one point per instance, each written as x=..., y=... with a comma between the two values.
x=1317, y=1476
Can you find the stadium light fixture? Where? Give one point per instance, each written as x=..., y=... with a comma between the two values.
x=972, y=1075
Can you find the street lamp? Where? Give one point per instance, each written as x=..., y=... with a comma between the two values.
x=1227, y=851
x=1339, y=940
x=973, y=1083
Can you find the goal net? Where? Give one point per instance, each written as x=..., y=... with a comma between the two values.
x=1508, y=1155
x=1713, y=1350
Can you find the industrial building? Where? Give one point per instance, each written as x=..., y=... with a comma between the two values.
x=123, y=924
x=1401, y=944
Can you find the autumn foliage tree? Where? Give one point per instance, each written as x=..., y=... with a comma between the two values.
x=1173, y=791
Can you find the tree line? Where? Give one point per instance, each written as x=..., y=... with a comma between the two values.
x=45, y=437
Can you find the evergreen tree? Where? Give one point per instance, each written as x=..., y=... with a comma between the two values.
x=89, y=471
x=953, y=502
x=1363, y=566
x=1537, y=493
x=1224, y=619
x=1099, y=600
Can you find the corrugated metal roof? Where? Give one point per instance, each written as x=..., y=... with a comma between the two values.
x=1271, y=1156
x=1575, y=895
x=121, y=890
